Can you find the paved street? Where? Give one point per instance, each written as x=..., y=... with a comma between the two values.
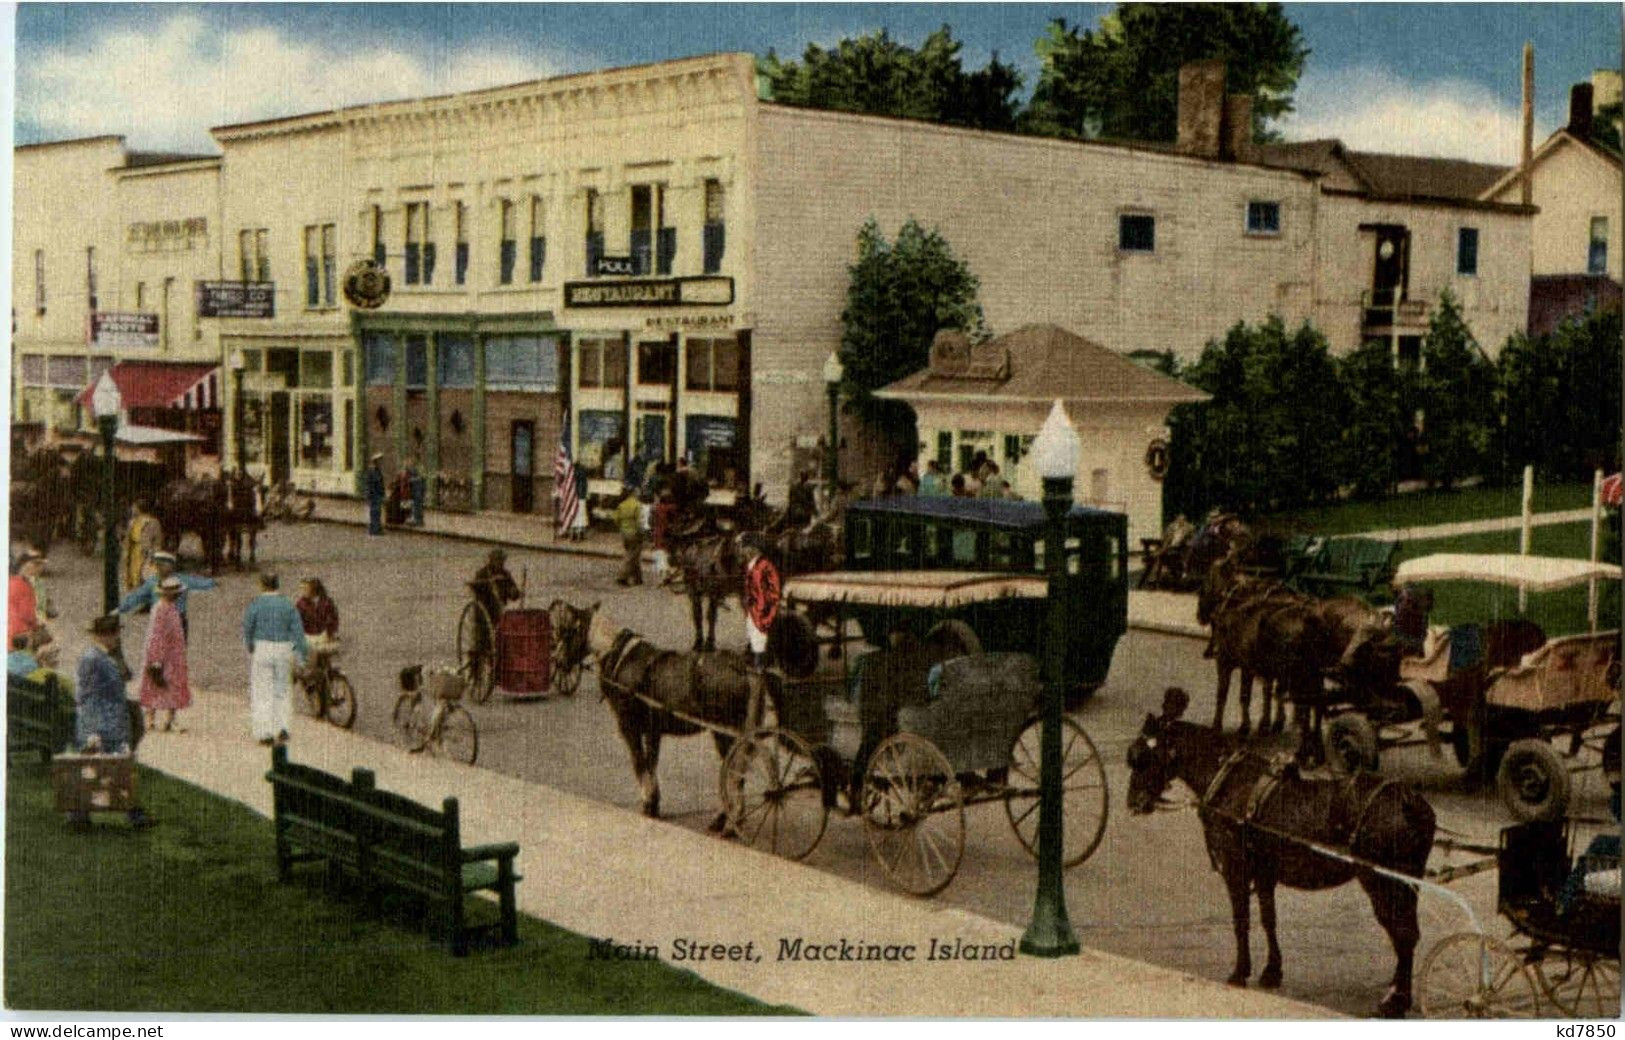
x=1147, y=893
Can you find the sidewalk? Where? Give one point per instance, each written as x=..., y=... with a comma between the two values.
x=515, y=530
x=605, y=872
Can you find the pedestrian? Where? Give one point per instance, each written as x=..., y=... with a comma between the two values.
x=22, y=599
x=959, y=488
x=102, y=722
x=143, y=538
x=629, y=520
x=761, y=596
x=933, y=485
x=908, y=478
x=145, y=596
x=578, y=519
x=417, y=486
x=993, y=484
x=164, y=682
x=1412, y=605
x=802, y=505
x=375, y=495
x=973, y=475
x=275, y=637
x=660, y=529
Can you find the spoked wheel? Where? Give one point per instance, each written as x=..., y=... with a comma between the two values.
x=914, y=814
x=1084, y=798
x=411, y=720
x=773, y=793
x=458, y=738
x=1469, y=975
x=340, y=701
x=477, y=650
x=1581, y=985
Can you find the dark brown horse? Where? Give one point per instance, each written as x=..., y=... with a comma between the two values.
x=1265, y=824
x=713, y=568
x=245, y=502
x=194, y=507
x=713, y=688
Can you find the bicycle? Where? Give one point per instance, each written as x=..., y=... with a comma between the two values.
x=328, y=692
x=287, y=503
x=447, y=727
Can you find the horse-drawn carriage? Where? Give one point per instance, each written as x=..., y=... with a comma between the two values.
x=1498, y=693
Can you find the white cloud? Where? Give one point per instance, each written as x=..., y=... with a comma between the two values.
x=164, y=86
x=1374, y=110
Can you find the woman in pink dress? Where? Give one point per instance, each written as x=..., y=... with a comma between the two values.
x=164, y=684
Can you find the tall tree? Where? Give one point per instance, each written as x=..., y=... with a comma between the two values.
x=1121, y=80
x=879, y=75
x=1378, y=419
x=1457, y=398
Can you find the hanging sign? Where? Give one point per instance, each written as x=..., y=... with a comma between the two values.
x=117, y=330
x=236, y=299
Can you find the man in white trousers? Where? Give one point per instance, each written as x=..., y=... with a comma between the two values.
x=275, y=638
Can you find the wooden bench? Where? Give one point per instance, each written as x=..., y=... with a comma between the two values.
x=385, y=840
x=39, y=716
x=1343, y=565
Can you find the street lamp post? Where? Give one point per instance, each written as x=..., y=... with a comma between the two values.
x=237, y=364
x=833, y=372
x=1055, y=453
x=105, y=404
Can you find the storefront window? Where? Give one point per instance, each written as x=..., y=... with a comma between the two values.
x=253, y=420
x=379, y=351
x=711, y=442
x=657, y=363
x=417, y=362
x=528, y=363
x=66, y=372
x=455, y=361
x=316, y=432
x=348, y=363
x=253, y=361
x=316, y=369
x=597, y=448
x=283, y=362
x=713, y=364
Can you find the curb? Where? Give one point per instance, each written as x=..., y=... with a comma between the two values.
x=1168, y=628
x=480, y=539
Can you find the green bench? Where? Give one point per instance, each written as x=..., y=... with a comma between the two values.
x=39, y=717
x=1341, y=566
x=384, y=840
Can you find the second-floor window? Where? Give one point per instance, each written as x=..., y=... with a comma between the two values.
x=538, y=238
x=1263, y=218
x=262, y=255
x=320, y=250
x=253, y=254
x=510, y=248
x=379, y=255
x=716, y=239
x=595, y=230
x=1467, y=250
x=39, y=281
x=712, y=364
x=419, y=245
x=1596, y=253
x=1137, y=233
x=460, y=262
x=90, y=277
x=602, y=364
x=646, y=218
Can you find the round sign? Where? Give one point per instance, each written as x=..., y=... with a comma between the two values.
x=366, y=285
x=1156, y=459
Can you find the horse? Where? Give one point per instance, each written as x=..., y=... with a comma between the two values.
x=713, y=568
x=244, y=517
x=195, y=507
x=713, y=688
x=1265, y=824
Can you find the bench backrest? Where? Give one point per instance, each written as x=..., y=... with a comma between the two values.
x=38, y=714
x=1357, y=555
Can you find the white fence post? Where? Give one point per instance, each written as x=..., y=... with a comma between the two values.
x=1596, y=546
x=1525, y=537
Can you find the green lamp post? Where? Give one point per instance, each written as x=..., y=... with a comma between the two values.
x=105, y=404
x=1055, y=453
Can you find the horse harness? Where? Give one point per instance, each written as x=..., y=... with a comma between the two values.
x=620, y=651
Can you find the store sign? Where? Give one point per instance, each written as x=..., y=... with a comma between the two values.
x=614, y=265
x=167, y=236
x=689, y=322
x=115, y=330
x=651, y=292
x=236, y=299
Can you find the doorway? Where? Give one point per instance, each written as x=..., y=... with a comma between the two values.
x=280, y=445
x=1390, y=270
x=651, y=447
x=522, y=451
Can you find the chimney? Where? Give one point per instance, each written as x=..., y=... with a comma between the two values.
x=1528, y=124
x=1580, y=96
x=1238, y=127
x=1201, y=107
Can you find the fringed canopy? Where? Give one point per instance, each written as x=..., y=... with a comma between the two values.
x=925, y=589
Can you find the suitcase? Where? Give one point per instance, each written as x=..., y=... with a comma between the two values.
x=93, y=783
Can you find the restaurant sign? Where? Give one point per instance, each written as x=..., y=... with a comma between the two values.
x=236, y=299
x=118, y=330
x=651, y=292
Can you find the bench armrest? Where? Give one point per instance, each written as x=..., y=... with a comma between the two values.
x=496, y=850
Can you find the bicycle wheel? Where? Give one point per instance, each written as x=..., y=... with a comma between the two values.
x=411, y=718
x=477, y=650
x=456, y=736
x=312, y=697
x=340, y=701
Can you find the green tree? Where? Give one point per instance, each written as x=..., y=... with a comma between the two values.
x=1121, y=80
x=878, y=75
x=1605, y=126
x=1378, y=419
x=1457, y=398
x=900, y=294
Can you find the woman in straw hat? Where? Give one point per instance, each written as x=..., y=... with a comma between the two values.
x=164, y=682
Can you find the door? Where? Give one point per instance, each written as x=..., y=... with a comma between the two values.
x=652, y=437
x=522, y=449
x=1390, y=269
x=280, y=448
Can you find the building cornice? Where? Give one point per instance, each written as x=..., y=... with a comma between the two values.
x=161, y=169
x=1443, y=202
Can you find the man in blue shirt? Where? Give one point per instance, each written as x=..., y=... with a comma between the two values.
x=375, y=495
x=103, y=722
x=275, y=637
x=143, y=596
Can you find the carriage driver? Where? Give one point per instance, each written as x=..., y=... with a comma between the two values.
x=761, y=596
x=493, y=586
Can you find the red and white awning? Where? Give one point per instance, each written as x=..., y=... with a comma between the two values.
x=161, y=384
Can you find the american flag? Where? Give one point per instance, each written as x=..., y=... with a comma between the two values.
x=564, y=484
x=1613, y=490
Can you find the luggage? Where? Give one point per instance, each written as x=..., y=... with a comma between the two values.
x=93, y=783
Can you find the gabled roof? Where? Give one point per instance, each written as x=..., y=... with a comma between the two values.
x=1561, y=137
x=1047, y=362
x=1384, y=175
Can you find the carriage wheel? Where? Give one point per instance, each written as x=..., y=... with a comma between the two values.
x=477, y=650
x=411, y=719
x=1084, y=799
x=340, y=701
x=1350, y=744
x=1581, y=985
x=1469, y=975
x=954, y=636
x=914, y=814
x=773, y=793
x=458, y=739
x=1533, y=781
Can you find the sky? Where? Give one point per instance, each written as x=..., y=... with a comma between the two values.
x=1427, y=79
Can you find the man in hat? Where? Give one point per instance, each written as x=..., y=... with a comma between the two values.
x=144, y=596
x=375, y=494
x=22, y=598
x=761, y=595
x=275, y=637
x=103, y=720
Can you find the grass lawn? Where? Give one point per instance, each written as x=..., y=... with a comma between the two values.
x=188, y=917
x=1422, y=508
x=1559, y=613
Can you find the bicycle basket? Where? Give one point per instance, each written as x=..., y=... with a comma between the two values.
x=443, y=684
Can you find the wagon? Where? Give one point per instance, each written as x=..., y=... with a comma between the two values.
x=910, y=737
x=515, y=651
x=1502, y=717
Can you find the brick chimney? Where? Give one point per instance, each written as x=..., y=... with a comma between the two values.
x=1238, y=127
x=1201, y=108
x=1580, y=96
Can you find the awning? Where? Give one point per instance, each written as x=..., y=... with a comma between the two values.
x=148, y=436
x=939, y=590
x=162, y=384
x=1535, y=573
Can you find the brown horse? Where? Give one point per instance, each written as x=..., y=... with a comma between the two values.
x=245, y=498
x=656, y=693
x=713, y=568
x=194, y=507
x=1265, y=824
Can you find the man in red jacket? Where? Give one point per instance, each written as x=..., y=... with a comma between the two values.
x=761, y=596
